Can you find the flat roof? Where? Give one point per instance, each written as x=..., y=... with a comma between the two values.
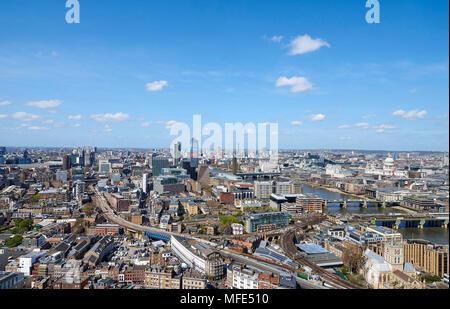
x=311, y=248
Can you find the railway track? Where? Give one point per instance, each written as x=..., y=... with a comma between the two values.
x=287, y=243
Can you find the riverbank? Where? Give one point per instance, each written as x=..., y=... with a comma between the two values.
x=335, y=190
x=405, y=209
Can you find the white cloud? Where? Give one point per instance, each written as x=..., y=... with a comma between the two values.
x=25, y=116
x=382, y=131
x=411, y=115
x=385, y=126
x=146, y=124
x=77, y=125
x=304, y=44
x=45, y=104
x=110, y=117
x=344, y=126
x=170, y=123
x=369, y=116
x=345, y=138
x=2, y=116
x=413, y=90
x=108, y=128
x=363, y=125
x=298, y=84
x=297, y=123
x=276, y=38
x=4, y=103
x=75, y=117
x=318, y=117
x=48, y=121
x=157, y=85
x=34, y=128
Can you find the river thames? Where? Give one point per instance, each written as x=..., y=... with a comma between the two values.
x=436, y=235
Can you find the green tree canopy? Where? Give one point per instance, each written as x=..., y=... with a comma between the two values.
x=14, y=241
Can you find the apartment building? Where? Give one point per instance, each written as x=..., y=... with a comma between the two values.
x=310, y=203
x=158, y=277
x=427, y=256
x=193, y=280
x=241, y=277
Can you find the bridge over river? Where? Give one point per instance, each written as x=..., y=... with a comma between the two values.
x=399, y=221
x=344, y=203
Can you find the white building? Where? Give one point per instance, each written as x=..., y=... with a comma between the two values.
x=186, y=255
x=26, y=261
x=243, y=278
x=336, y=171
x=61, y=176
x=144, y=182
x=389, y=169
x=79, y=189
x=389, y=271
x=104, y=167
x=238, y=229
x=282, y=188
x=263, y=189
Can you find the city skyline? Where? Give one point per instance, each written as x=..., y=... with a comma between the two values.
x=123, y=75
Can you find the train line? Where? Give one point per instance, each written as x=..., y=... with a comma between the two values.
x=287, y=243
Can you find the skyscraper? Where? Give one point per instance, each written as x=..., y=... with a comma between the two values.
x=234, y=166
x=176, y=152
x=194, y=153
x=66, y=162
x=158, y=163
x=144, y=182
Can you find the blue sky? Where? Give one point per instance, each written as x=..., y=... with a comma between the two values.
x=328, y=78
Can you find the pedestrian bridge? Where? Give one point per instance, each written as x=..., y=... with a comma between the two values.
x=158, y=236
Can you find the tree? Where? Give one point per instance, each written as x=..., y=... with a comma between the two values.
x=36, y=198
x=227, y=220
x=88, y=209
x=353, y=259
x=78, y=228
x=25, y=225
x=430, y=278
x=14, y=241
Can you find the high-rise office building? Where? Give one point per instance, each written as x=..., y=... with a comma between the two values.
x=176, y=152
x=158, y=163
x=144, y=182
x=2, y=150
x=234, y=166
x=194, y=153
x=104, y=167
x=66, y=162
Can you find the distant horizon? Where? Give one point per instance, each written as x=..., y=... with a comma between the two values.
x=280, y=150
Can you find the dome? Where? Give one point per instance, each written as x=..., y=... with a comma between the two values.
x=389, y=160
